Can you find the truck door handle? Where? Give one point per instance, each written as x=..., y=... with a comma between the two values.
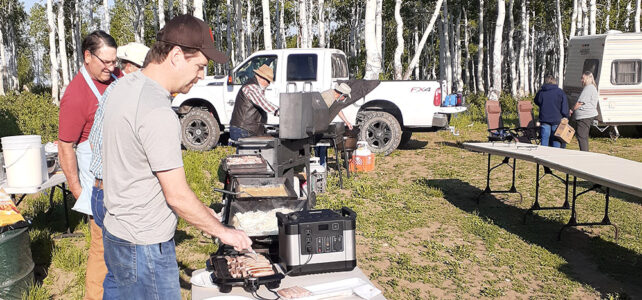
x=230, y=102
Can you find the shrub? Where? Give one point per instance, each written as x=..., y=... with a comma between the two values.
x=28, y=113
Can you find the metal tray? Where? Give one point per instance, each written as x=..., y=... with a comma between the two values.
x=223, y=279
x=239, y=182
x=225, y=163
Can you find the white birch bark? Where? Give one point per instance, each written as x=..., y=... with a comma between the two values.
x=75, y=39
x=447, y=63
x=574, y=20
x=379, y=29
x=400, y=42
x=52, y=53
x=321, y=22
x=467, y=60
x=580, y=19
x=592, y=16
x=198, y=9
x=431, y=24
x=248, y=29
x=106, y=19
x=522, y=52
x=480, y=51
x=62, y=41
x=183, y=6
x=240, y=31
x=459, y=82
x=585, y=18
x=170, y=9
x=161, y=14
x=532, y=58
x=416, y=40
x=637, y=15
x=560, y=38
x=497, y=50
x=3, y=63
x=282, y=44
x=267, y=32
x=511, y=49
x=310, y=14
x=303, y=24
x=373, y=57
x=627, y=20
x=230, y=43
x=607, y=22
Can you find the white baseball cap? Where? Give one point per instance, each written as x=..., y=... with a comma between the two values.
x=133, y=52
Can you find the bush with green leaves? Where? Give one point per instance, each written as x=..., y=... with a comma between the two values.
x=28, y=113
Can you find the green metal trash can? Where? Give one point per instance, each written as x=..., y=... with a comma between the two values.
x=16, y=263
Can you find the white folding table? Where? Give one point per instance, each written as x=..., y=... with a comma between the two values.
x=601, y=169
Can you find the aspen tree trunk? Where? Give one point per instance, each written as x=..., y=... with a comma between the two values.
x=106, y=20
x=373, y=57
x=198, y=8
x=459, y=82
x=468, y=72
x=522, y=52
x=321, y=22
x=75, y=39
x=161, y=14
x=248, y=29
x=183, y=6
x=303, y=24
x=52, y=53
x=310, y=15
x=64, y=62
x=627, y=20
x=447, y=63
x=11, y=67
x=230, y=43
x=637, y=15
x=592, y=15
x=170, y=9
x=416, y=41
x=574, y=20
x=282, y=45
x=400, y=42
x=585, y=18
x=580, y=19
x=480, y=51
x=560, y=37
x=379, y=29
x=422, y=43
x=267, y=32
x=607, y=22
x=497, y=50
x=240, y=31
x=511, y=49
x=3, y=60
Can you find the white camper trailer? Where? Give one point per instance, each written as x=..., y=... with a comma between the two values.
x=615, y=59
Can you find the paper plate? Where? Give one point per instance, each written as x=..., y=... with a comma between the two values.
x=203, y=280
x=229, y=298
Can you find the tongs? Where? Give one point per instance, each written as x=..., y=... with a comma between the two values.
x=249, y=252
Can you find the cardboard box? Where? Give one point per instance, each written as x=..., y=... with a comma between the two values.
x=564, y=131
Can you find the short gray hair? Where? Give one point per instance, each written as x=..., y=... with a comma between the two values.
x=550, y=79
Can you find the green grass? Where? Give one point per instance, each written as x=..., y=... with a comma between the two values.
x=420, y=234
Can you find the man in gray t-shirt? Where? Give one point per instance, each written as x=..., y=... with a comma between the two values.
x=145, y=184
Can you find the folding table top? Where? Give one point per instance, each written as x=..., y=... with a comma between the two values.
x=610, y=171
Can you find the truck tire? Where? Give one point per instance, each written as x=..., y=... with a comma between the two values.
x=381, y=130
x=405, y=138
x=200, y=130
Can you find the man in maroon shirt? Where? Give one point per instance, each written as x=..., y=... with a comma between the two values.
x=77, y=108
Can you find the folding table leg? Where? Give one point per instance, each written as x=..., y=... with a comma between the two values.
x=572, y=222
x=69, y=232
x=489, y=169
x=336, y=156
x=536, y=205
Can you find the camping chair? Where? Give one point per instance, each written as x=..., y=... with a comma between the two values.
x=496, y=130
x=527, y=131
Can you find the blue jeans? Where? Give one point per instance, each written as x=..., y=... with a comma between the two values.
x=236, y=133
x=322, y=154
x=143, y=271
x=110, y=290
x=547, y=132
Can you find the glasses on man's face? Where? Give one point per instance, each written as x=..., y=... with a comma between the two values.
x=105, y=63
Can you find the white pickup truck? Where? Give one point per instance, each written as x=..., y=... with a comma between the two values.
x=386, y=116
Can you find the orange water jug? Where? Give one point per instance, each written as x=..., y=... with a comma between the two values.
x=363, y=160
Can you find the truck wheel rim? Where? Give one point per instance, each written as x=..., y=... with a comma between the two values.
x=379, y=134
x=197, y=131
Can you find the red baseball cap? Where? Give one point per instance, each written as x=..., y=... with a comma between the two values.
x=191, y=32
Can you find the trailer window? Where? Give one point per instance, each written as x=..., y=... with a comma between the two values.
x=246, y=71
x=339, y=66
x=625, y=72
x=592, y=65
x=302, y=67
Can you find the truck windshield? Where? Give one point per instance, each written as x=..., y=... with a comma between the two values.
x=246, y=71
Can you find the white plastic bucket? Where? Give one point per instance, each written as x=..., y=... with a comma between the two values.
x=23, y=160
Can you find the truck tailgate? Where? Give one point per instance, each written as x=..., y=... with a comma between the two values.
x=450, y=109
